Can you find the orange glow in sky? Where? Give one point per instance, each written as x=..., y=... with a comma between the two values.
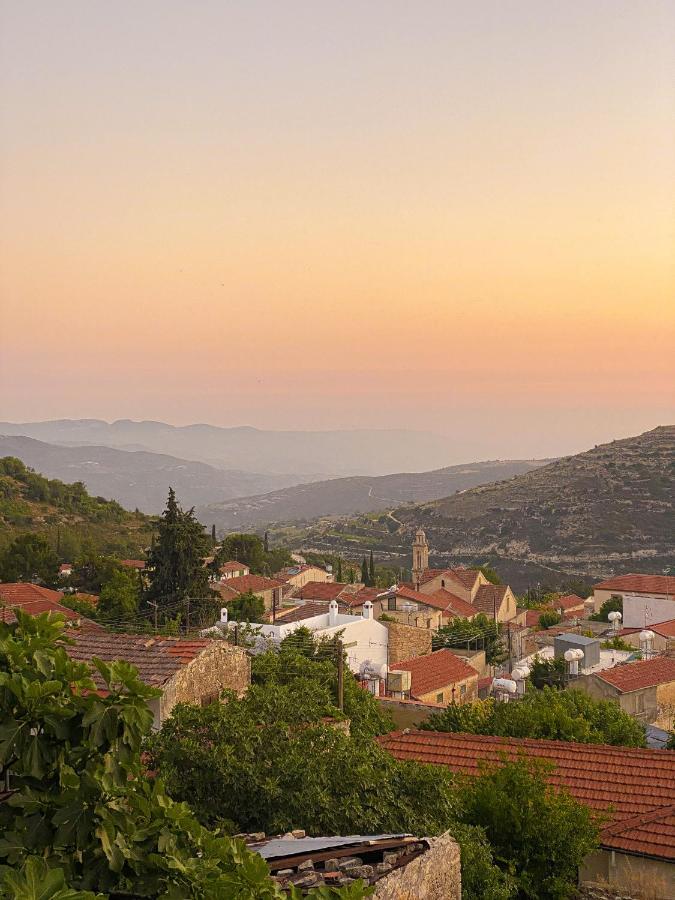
x=313, y=215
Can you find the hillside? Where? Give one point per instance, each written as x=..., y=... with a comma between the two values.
x=607, y=510
x=347, y=496
x=66, y=514
x=304, y=455
x=137, y=479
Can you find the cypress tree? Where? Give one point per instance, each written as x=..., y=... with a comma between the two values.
x=213, y=533
x=371, y=570
x=364, y=572
x=338, y=571
x=267, y=542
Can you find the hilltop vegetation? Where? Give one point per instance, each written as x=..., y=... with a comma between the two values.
x=66, y=515
x=606, y=510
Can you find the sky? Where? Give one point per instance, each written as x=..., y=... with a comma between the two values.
x=439, y=215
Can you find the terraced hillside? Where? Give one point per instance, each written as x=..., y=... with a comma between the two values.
x=607, y=510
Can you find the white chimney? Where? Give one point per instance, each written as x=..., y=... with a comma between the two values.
x=647, y=643
x=615, y=618
x=332, y=612
x=367, y=610
x=223, y=615
x=573, y=657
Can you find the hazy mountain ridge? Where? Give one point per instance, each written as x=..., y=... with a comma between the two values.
x=606, y=510
x=346, y=496
x=305, y=455
x=136, y=479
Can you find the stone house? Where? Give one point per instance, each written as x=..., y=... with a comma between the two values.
x=268, y=589
x=440, y=677
x=232, y=569
x=634, y=787
x=300, y=575
x=644, y=689
x=186, y=671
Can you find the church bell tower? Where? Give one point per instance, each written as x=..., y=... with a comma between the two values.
x=420, y=557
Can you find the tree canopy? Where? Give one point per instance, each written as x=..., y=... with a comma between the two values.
x=119, y=599
x=547, y=714
x=479, y=633
x=27, y=557
x=247, y=607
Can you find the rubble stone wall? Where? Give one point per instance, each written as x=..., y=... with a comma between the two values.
x=220, y=667
x=406, y=641
x=435, y=875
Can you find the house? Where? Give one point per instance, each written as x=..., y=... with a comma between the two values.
x=298, y=576
x=635, y=788
x=644, y=689
x=186, y=671
x=268, y=589
x=469, y=585
x=440, y=677
x=664, y=636
x=570, y=606
x=34, y=599
x=323, y=591
x=430, y=610
x=65, y=570
x=233, y=569
x=364, y=639
x=138, y=564
x=647, y=599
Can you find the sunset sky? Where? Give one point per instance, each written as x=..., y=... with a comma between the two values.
x=440, y=215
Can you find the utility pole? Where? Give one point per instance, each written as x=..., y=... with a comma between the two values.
x=340, y=676
x=155, y=605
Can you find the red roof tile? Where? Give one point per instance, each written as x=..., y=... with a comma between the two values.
x=306, y=611
x=643, y=673
x=133, y=563
x=453, y=604
x=244, y=583
x=435, y=671
x=639, y=584
x=233, y=566
x=34, y=599
x=156, y=658
x=321, y=590
x=489, y=598
x=638, y=785
x=569, y=602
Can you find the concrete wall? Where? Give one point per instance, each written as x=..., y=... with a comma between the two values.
x=221, y=666
x=364, y=640
x=435, y=875
x=406, y=641
x=647, y=609
x=641, y=704
x=408, y=713
x=475, y=658
x=633, y=876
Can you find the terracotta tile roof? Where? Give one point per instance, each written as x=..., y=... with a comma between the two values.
x=33, y=599
x=226, y=592
x=360, y=597
x=665, y=629
x=156, y=658
x=638, y=785
x=435, y=671
x=233, y=566
x=639, y=584
x=569, y=602
x=532, y=616
x=453, y=603
x=640, y=674
x=306, y=611
x=430, y=574
x=133, y=563
x=243, y=583
x=321, y=590
x=489, y=597
x=466, y=576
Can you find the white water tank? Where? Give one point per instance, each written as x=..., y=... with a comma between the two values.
x=615, y=618
x=223, y=615
x=573, y=658
x=504, y=687
x=647, y=643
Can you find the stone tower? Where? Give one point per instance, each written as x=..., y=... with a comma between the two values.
x=420, y=556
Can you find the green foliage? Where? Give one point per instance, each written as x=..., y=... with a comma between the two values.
x=481, y=878
x=250, y=550
x=92, y=570
x=547, y=714
x=84, y=816
x=549, y=672
x=29, y=557
x=365, y=575
x=119, y=598
x=175, y=566
x=671, y=741
x=480, y=633
x=539, y=835
x=614, y=604
x=549, y=617
x=246, y=608
x=79, y=605
x=617, y=643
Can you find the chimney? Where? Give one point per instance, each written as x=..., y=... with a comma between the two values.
x=367, y=610
x=332, y=612
x=223, y=615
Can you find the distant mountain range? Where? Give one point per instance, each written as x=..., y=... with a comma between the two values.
x=303, y=455
x=137, y=479
x=607, y=510
x=358, y=494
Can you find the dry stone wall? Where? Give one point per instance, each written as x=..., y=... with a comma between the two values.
x=406, y=641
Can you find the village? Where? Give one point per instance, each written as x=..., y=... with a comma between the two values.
x=444, y=641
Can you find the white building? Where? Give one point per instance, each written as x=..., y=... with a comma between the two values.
x=364, y=639
x=647, y=599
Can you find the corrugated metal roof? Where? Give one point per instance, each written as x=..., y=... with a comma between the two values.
x=278, y=847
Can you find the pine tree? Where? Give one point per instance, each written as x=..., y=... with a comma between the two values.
x=365, y=578
x=175, y=564
x=371, y=570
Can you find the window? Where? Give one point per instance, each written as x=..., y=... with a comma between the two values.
x=442, y=582
x=391, y=603
x=462, y=690
x=428, y=623
x=439, y=697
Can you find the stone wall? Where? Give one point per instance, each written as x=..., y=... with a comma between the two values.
x=435, y=875
x=406, y=641
x=220, y=667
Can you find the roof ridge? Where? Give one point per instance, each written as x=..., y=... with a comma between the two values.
x=653, y=815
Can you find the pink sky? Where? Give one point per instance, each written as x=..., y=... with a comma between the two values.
x=298, y=215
